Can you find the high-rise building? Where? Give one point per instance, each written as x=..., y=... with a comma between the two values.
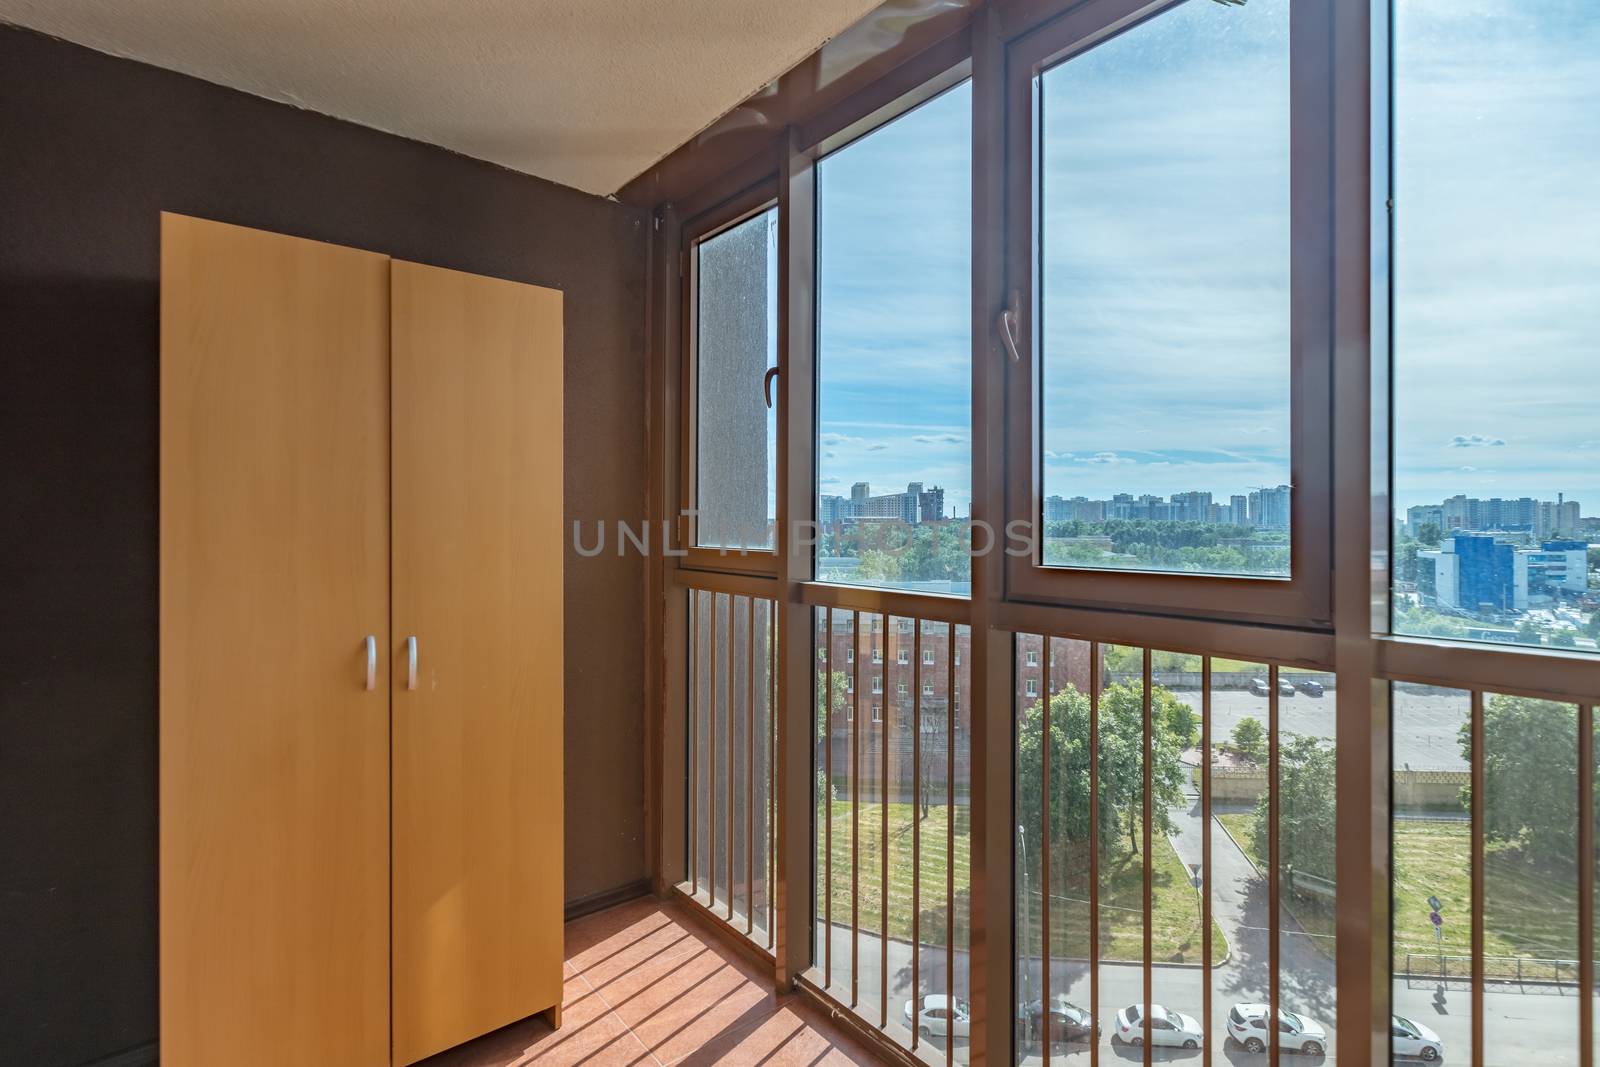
x=1522, y=515
x=1425, y=515
x=917, y=504
x=1269, y=508
x=831, y=510
x=1239, y=510
x=1193, y=506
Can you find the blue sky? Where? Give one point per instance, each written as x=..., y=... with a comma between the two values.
x=1165, y=257
x=1497, y=257
x=894, y=336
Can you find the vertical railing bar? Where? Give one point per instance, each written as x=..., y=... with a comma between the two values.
x=694, y=737
x=883, y=852
x=950, y=848
x=750, y=772
x=1476, y=817
x=1148, y=782
x=732, y=778
x=711, y=768
x=916, y=829
x=1205, y=858
x=1046, y=750
x=1586, y=859
x=1273, y=888
x=772, y=772
x=1094, y=852
x=855, y=809
x=827, y=802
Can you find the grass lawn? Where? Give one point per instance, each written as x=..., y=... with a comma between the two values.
x=1175, y=932
x=936, y=858
x=1528, y=913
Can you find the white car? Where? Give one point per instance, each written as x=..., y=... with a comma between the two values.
x=1167, y=1027
x=1407, y=1038
x=1247, y=1024
x=941, y=1016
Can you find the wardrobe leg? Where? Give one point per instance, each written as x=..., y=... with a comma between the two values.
x=552, y=1015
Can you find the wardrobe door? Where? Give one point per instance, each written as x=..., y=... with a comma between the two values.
x=274, y=734
x=477, y=722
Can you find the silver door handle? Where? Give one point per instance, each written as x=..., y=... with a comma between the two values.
x=411, y=662
x=372, y=662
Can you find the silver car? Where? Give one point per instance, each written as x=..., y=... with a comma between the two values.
x=1407, y=1038
x=1296, y=1033
x=1167, y=1027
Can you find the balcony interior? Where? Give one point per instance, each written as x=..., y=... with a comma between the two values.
x=935, y=533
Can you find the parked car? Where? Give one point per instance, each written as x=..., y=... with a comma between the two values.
x=1296, y=1033
x=1285, y=687
x=1068, y=1022
x=1259, y=688
x=941, y=1016
x=1407, y=1038
x=1167, y=1027
x=1311, y=687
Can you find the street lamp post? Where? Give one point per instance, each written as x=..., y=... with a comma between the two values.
x=1027, y=927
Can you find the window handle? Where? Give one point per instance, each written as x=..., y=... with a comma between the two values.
x=411, y=662
x=766, y=383
x=1009, y=318
x=372, y=662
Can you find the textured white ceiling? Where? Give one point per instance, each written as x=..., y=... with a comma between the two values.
x=588, y=93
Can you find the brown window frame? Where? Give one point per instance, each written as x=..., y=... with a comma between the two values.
x=739, y=207
x=905, y=101
x=1305, y=598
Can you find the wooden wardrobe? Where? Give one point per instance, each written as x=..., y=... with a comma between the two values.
x=361, y=652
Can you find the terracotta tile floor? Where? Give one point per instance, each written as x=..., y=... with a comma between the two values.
x=646, y=987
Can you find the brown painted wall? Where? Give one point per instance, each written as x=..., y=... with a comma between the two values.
x=91, y=148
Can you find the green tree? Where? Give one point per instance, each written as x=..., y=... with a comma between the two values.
x=936, y=553
x=1564, y=639
x=1530, y=762
x=1250, y=739
x=839, y=688
x=1528, y=632
x=1405, y=560
x=877, y=565
x=1121, y=779
x=1429, y=534
x=1306, y=807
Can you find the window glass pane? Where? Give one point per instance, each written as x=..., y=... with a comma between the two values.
x=1496, y=264
x=1240, y=843
x=1431, y=838
x=1307, y=858
x=1164, y=296
x=1530, y=881
x=1118, y=841
x=735, y=342
x=894, y=456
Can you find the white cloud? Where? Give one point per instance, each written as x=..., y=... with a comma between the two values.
x=1476, y=440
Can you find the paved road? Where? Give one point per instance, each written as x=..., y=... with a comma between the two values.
x=1426, y=730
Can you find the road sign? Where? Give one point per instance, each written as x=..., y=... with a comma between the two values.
x=1194, y=875
x=1435, y=904
x=1436, y=919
